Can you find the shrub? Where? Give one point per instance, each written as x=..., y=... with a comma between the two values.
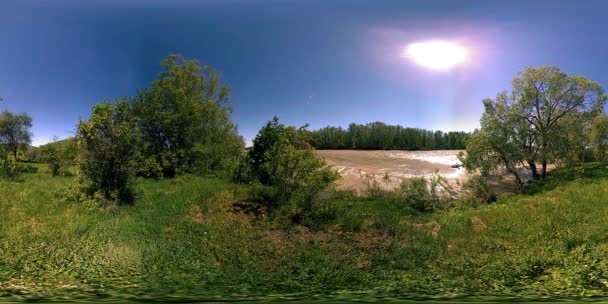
x=107, y=146
x=476, y=191
x=149, y=167
x=299, y=176
x=52, y=157
x=283, y=160
x=8, y=167
x=78, y=193
x=427, y=195
x=373, y=188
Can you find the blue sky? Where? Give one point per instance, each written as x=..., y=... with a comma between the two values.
x=319, y=62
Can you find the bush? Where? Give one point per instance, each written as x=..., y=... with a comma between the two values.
x=427, y=195
x=76, y=192
x=476, y=191
x=107, y=147
x=52, y=157
x=299, y=176
x=373, y=187
x=283, y=161
x=8, y=167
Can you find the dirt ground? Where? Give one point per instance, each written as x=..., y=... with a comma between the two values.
x=354, y=164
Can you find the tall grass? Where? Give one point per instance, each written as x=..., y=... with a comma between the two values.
x=182, y=240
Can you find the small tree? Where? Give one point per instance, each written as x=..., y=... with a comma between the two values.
x=107, y=145
x=52, y=156
x=8, y=168
x=15, y=131
x=283, y=160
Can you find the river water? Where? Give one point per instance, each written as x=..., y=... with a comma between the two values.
x=354, y=164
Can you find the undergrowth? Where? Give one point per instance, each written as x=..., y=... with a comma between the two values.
x=186, y=239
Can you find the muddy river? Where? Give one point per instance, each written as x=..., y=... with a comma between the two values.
x=352, y=165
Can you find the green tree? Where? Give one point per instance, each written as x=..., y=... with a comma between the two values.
x=272, y=133
x=378, y=135
x=545, y=96
x=599, y=137
x=107, y=145
x=52, y=157
x=15, y=131
x=544, y=119
x=185, y=122
x=283, y=160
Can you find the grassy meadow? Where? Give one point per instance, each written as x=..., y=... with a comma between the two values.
x=183, y=240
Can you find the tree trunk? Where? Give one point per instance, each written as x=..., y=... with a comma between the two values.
x=513, y=171
x=533, y=169
x=520, y=184
x=544, y=170
x=15, y=153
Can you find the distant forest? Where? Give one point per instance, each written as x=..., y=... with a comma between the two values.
x=380, y=136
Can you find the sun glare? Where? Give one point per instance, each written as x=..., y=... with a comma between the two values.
x=436, y=55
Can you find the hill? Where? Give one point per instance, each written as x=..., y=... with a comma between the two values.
x=36, y=154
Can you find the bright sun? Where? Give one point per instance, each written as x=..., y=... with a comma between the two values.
x=436, y=55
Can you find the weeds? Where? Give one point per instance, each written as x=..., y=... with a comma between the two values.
x=186, y=238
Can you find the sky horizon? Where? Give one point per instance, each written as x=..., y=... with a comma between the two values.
x=308, y=62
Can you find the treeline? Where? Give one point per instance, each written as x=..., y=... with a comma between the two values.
x=380, y=136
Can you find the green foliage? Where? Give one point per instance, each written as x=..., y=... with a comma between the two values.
x=107, y=145
x=476, y=191
x=599, y=137
x=550, y=244
x=283, y=160
x=64, y=151
x=373, y=187
x=15, y=131
x=266, y=140
x=428, y=194
x=59, y=155
x=544, y=119
x=27, y=168
x=8, y=167
x=378, y=135
x=184, y=120
x=299, y=176
x=422, y=194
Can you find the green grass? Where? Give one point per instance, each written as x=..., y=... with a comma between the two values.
x=182, y=241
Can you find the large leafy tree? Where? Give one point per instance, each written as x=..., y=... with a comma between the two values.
x=185, y=121
x=545, y=98
x=544, y=119
x=15, y=131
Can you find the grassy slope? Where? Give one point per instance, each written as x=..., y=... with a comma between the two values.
x=181, y=241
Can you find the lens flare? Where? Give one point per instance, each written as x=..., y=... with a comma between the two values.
x=436, y=55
